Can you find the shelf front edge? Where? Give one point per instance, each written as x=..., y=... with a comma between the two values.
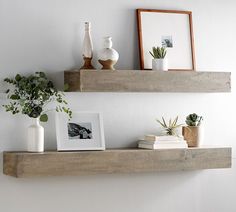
x=114, y=161
x=148, y=81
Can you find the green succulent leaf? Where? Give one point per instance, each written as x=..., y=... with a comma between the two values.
x=158, y=52
x=193, y=120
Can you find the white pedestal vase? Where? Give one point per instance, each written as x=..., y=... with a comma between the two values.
x=108, y=56
x=160, y=64
x=35, y=136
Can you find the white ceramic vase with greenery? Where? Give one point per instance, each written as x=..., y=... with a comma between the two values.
x=159, y=61
x=29, y=95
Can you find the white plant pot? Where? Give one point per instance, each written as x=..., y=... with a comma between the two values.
x=160, y=64
x=35, y=137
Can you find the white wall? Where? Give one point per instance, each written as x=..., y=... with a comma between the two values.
x=47, y=35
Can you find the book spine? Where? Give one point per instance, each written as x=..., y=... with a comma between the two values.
x=161, y=146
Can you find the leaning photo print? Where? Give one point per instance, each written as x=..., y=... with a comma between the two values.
x=83, y=132
x=80, y=130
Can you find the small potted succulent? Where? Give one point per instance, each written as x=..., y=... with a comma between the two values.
x=29, y=95
x=171, y=127
x=193, y=132
x=159, y=61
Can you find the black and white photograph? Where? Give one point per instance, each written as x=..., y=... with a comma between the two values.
x=84, y=131
x=79, y=131
x=167, y=41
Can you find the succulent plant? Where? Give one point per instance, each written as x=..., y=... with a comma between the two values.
x=158, y=52
x=193, y=120
x=171, y=128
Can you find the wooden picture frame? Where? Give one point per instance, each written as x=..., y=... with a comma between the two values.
x=163, y=17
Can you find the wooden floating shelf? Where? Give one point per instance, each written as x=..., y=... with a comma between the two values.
x=147, y=81
x=23, y=164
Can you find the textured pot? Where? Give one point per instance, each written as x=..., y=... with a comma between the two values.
x=87, y=48
x=193, y=135
x=160, y=64
x=108, y=56
x=35, y=136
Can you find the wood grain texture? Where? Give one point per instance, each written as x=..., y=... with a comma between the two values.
x=22, y=164
x=147, y=81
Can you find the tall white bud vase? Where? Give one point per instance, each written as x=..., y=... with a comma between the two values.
x=35, y=136
x=87, y=47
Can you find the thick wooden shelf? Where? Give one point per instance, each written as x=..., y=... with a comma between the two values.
x=147, y=81
x=23, y=164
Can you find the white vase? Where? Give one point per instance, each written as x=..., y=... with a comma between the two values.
x=108, y=56
x=160, y=64
x=35, y=136
x=87, y=47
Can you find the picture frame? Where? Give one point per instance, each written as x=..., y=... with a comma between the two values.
x=84, y=131
x=174, y=26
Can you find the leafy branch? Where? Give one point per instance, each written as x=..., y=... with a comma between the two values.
x=29, y=96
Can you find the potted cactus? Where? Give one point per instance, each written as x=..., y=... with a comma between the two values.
x=193, y=132
x=159, y=61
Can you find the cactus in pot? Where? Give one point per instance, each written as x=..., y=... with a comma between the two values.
x=193, y=132
x=159, y=62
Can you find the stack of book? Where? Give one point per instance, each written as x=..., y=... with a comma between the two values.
x=162, y=142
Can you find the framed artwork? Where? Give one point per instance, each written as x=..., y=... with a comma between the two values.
x=83, y=132
x=166, y=28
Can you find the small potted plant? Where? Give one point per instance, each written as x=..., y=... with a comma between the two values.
x=193, y=132
x=171, y=127
x=29, y=95
x=159, y=61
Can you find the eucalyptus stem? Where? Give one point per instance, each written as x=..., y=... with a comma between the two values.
x=30, y=94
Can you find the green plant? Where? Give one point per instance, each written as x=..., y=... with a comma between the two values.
x=193, y=120
x=158, y=52
x=29, y=96
x=171, y=128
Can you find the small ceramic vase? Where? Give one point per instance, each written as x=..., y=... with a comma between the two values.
x=108, y=56
x=35, y=137
x=87, y=48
